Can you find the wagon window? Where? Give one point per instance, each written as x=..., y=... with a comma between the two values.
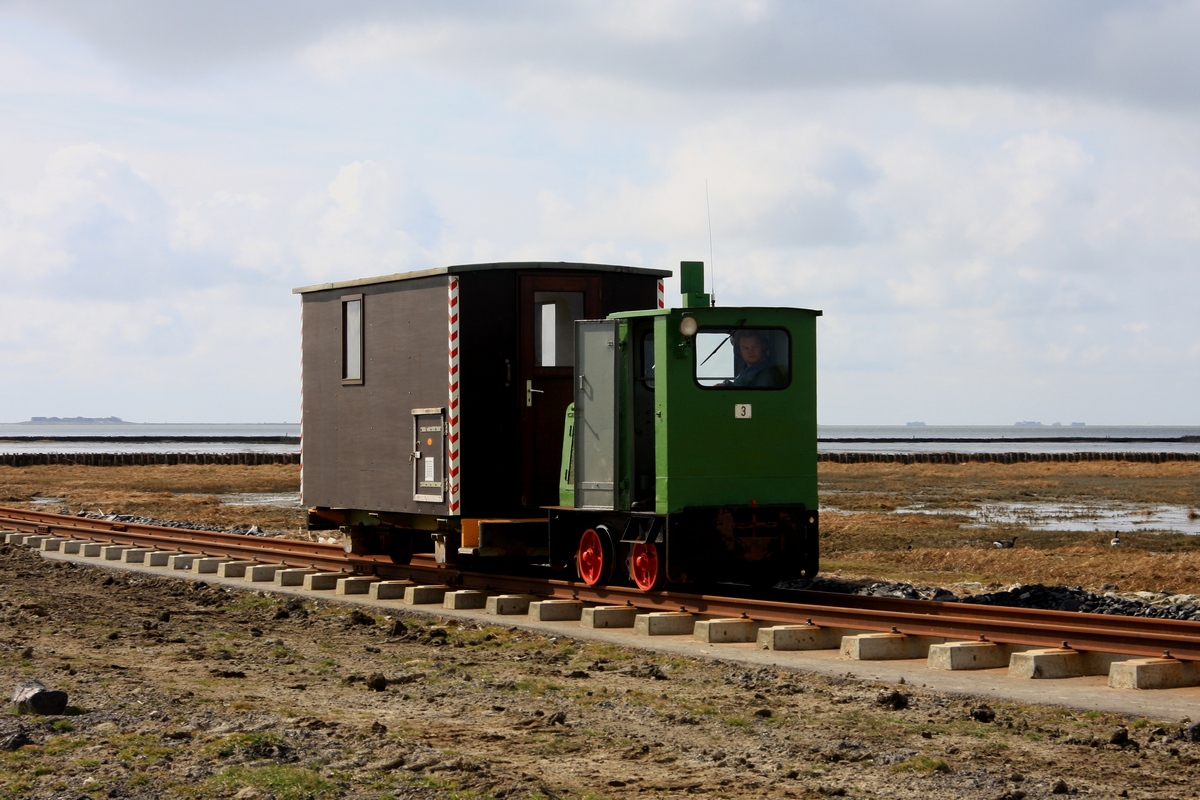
x=743, y=358
x=352, y=339
x=554, y=315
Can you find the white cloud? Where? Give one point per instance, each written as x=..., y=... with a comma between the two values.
x=91, y=225
x=985, y=198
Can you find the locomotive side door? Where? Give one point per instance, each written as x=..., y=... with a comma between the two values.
x=596, y=417
x=549, y=306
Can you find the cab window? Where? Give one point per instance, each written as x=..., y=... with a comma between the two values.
x=743, y=358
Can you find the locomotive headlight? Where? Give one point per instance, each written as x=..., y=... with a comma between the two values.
x=688, y=327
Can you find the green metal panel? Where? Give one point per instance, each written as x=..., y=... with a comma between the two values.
x=691, y=285
x=705, y=454
x=566, y=473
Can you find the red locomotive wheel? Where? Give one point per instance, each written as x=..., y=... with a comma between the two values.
x=645, y=567
x=594, y=558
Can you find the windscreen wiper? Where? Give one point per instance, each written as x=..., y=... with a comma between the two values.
x=737, y=327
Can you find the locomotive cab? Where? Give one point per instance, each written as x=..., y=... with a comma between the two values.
x=691, y=452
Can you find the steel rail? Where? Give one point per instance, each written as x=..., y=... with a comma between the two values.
x=950, y=621
x=1138, y=636
x=293, y=552
x=1032, y=616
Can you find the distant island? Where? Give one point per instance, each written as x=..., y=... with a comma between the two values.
x=73, y=421
x=917, y=424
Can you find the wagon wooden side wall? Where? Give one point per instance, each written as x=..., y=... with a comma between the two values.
x=358, y=437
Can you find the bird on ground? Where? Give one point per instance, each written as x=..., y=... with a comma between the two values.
x=1005, y=543
x=1116, y=541
x=909, y=545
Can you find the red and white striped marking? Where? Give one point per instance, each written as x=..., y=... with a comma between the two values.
x=662, y=295
x=452, y=478
x=302, y=403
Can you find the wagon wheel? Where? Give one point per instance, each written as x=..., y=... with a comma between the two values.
x=594, y=559
x=646, y=567
x=400, y=547
x=812, y=564
x=355, y=540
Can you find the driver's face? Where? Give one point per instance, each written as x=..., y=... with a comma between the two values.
x=751, y=349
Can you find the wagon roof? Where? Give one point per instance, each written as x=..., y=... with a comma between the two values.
x=522, y=266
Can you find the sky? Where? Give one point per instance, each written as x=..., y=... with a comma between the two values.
x=996, y=205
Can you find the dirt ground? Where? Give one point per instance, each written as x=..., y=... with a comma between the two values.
x=184, y=689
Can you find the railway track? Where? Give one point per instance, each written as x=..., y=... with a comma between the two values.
x=1134, y=652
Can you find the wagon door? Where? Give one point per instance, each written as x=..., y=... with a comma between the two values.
x=550, y=305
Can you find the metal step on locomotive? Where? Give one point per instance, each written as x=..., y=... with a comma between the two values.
x=559, y=414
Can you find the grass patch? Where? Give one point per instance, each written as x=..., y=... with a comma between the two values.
x=57, y=745
x=447, y=789
x=558, y=744
x=17, y=789
x=246, y=744
x=252, y=602
x=922, y=765
x=141, y=748
x=282, y=782
x=281, y=652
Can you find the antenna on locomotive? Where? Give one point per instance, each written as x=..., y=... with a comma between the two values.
x=712, y=262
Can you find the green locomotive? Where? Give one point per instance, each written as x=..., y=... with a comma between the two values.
x=690, y=452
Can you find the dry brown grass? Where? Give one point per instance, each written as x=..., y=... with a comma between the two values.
x=180, y=492
x=1089, y=567
x=872, y=541
x=878, y=485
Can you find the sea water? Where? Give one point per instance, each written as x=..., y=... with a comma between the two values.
x=1008, y=438
x=127, y=437
x=231, y=438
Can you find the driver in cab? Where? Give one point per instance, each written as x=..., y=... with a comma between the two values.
x=757, y=364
